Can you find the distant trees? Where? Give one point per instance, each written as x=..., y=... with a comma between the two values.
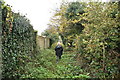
x=64, y=21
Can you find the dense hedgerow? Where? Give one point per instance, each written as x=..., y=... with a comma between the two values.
x=98, y=43
x=18, y=42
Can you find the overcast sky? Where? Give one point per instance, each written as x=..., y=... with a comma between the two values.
x=38, y=11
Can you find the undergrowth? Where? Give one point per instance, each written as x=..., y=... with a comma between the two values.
x=45, y=66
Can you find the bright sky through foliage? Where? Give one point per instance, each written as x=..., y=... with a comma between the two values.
x=38, y=11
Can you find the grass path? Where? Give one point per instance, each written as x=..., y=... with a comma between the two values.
x=45, y=66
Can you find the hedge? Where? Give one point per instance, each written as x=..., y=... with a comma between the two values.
x=18, y=42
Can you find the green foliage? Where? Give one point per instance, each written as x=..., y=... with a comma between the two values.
x=94, y=30
x=44, y=66
x=72, y=14
x=18, y=42
x=98, y=43
x=74, y=10
x=66, y=22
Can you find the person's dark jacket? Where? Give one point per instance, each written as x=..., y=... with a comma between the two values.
x=59, y=50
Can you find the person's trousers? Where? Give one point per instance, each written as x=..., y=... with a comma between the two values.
x=58, y=58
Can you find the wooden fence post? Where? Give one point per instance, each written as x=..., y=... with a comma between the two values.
x=0, y=40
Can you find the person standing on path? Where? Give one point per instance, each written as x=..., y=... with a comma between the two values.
x=59, y=50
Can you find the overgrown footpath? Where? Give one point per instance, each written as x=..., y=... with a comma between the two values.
x=45, y=66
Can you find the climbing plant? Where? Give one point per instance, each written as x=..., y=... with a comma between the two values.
x=18, y=42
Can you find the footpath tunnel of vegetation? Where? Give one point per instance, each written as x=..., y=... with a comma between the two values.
x=90, y=33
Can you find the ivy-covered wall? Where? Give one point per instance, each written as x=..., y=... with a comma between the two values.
x=18, y=42
x=0, y=40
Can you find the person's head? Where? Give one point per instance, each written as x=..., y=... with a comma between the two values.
x=59, y=43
